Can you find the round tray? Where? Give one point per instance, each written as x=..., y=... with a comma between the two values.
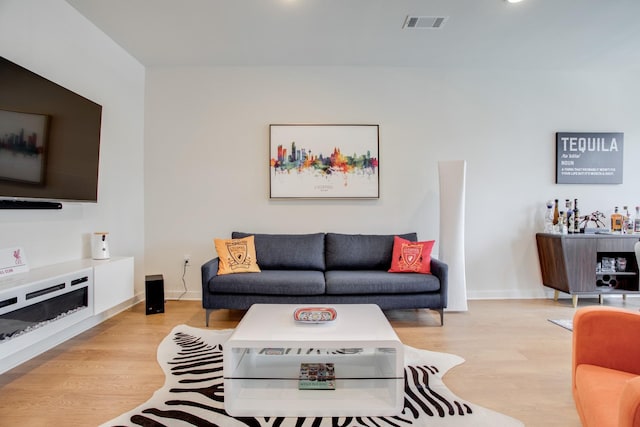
x=315, y=314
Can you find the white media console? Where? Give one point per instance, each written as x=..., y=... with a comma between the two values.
x=46, y=306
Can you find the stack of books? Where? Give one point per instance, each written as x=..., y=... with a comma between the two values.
x=317, y=376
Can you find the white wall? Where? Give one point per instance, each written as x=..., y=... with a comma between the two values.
x=52, y=39
x=206, y=151
x=206, y=157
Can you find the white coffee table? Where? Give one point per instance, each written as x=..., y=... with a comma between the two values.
x=263, y=355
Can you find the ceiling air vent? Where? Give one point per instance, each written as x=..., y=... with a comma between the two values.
x=425, y=22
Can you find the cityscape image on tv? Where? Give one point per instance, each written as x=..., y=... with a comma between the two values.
x=22, y=146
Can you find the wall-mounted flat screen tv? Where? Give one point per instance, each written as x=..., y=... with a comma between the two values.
x=49, y=139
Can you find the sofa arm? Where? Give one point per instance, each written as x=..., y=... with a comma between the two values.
x=608, y=337
x=441, y=271
x=629, y=414
x=208, y=270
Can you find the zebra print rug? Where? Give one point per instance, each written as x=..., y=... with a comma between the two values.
x=193, y=392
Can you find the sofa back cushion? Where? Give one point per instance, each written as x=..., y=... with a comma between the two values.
x=288, y=251
x=359, y=251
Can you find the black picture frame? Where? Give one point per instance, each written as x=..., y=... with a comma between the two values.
x=589, y=157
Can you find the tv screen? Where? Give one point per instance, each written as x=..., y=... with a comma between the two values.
x=49, y=139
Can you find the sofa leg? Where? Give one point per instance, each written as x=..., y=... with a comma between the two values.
x=206, y=316
x=441, y=311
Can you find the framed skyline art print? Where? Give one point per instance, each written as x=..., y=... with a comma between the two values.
x=324, y=161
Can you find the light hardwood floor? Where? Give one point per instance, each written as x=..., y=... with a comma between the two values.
x=517, y=362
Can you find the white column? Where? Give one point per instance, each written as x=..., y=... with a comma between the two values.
x=451, y=244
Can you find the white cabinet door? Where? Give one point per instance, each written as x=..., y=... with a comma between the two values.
x=112, y=282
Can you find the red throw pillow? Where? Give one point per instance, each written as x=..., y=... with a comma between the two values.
x=411, y=257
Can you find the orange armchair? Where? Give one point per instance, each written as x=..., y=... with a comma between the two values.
x=606, y=366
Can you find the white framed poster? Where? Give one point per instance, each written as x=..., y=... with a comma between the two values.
x=324, y=161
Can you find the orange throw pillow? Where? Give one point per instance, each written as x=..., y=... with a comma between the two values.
x=411, y=257
x=236, y=255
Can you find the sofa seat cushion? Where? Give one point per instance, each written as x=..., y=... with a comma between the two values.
x=360, y=251
x=288, y=251
x=270, y=282
x=599, y=391
x=378, y=282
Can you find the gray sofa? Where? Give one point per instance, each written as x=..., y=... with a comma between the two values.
x=324, y=268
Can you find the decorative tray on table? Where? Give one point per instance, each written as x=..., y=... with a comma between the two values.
x=315, y=314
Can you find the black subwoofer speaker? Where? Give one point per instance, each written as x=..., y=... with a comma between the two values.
x=154, y=293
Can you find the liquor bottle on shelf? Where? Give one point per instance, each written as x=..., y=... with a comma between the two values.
x=576, y=216
x=616, y=221
x=548, y=218
x=627, y=221
x=570, y=221
x=556, y=213
x=570, y=218
x=562, y=223
x=636, y=221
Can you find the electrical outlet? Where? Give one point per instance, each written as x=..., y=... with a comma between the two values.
x=187, y=260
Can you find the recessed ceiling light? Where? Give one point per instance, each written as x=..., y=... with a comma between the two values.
x=514, y=1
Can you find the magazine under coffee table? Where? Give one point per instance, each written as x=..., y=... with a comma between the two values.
x=263, y=358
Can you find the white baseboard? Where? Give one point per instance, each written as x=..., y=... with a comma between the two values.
x=471, y=294
x=543, y=293
x=182, y=295
x=507, y=294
